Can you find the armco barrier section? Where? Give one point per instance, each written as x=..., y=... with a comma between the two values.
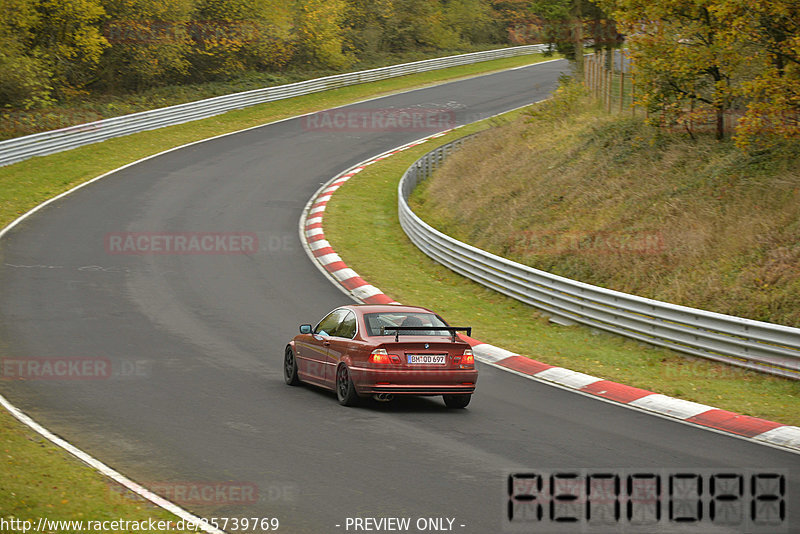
x=21, y=148
x=757, y=345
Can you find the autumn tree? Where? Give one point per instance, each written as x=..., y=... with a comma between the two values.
x=47, y=48
x=365, y=22
x=683, y=60
x=770, y=31
x=420, y=24
x=516, y=18
x=472, y=21
x=234, y=36
x=321, y=37
x=150, y=43
x=568, y=24
x=25, y=81
x=54, y=49
x=67, y=37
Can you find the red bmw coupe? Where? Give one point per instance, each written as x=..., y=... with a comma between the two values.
x=381, y=351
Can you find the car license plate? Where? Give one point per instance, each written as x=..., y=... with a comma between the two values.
x=430, y=359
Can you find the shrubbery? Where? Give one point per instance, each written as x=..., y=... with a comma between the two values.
x=52, y=50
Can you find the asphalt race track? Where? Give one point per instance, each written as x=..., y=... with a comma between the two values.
x=196, y=342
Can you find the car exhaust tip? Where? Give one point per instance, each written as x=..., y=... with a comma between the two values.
x=383, y=397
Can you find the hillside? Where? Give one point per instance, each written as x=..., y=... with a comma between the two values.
x=609, y=200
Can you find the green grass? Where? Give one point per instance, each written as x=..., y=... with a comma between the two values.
x=361, y=224
x=39, y=479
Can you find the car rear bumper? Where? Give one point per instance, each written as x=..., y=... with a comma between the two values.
x=400, y=389
x=370, y=381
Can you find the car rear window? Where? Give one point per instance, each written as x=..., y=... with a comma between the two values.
x=375, y=321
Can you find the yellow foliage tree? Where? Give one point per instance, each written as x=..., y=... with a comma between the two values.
x=770, y=28
x=25, y=79
x=687, y=69
x=232, y=36
x=68, y=38
x=149, y=43
x=693, y=58
x=321, y=35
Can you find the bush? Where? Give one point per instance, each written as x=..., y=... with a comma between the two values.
x=25, y=81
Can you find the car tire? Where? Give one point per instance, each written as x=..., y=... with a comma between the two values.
x=290, y=368
x=345, y=389
x=457, y=401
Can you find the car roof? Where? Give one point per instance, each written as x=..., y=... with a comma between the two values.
x=386, y=308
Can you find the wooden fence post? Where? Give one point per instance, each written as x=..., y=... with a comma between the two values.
x=597, y=70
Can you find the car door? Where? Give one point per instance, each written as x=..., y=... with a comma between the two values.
x=312, y=361
x=340, y=342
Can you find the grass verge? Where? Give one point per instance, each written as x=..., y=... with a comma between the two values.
x=608, y=200
x=41, y=480
x=361, y=224
x=38, y=479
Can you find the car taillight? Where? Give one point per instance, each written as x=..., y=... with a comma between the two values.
x=379, y=356
x=468, y=359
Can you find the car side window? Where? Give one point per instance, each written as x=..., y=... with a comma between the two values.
x=347, y=328
x=328, y=325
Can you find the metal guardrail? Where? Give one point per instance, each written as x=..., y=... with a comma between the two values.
x=21, y=148
x=765, y=347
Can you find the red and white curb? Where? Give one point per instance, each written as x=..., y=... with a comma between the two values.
x=322, y=254
x=319, y=249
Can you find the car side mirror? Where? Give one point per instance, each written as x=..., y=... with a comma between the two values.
x=305, y=328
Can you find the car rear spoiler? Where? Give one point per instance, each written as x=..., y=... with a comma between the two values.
x=451, y=329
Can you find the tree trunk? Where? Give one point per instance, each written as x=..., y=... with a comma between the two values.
x=578, y=35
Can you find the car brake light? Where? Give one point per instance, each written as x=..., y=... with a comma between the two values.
x=379, y=356
x=468, y=358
